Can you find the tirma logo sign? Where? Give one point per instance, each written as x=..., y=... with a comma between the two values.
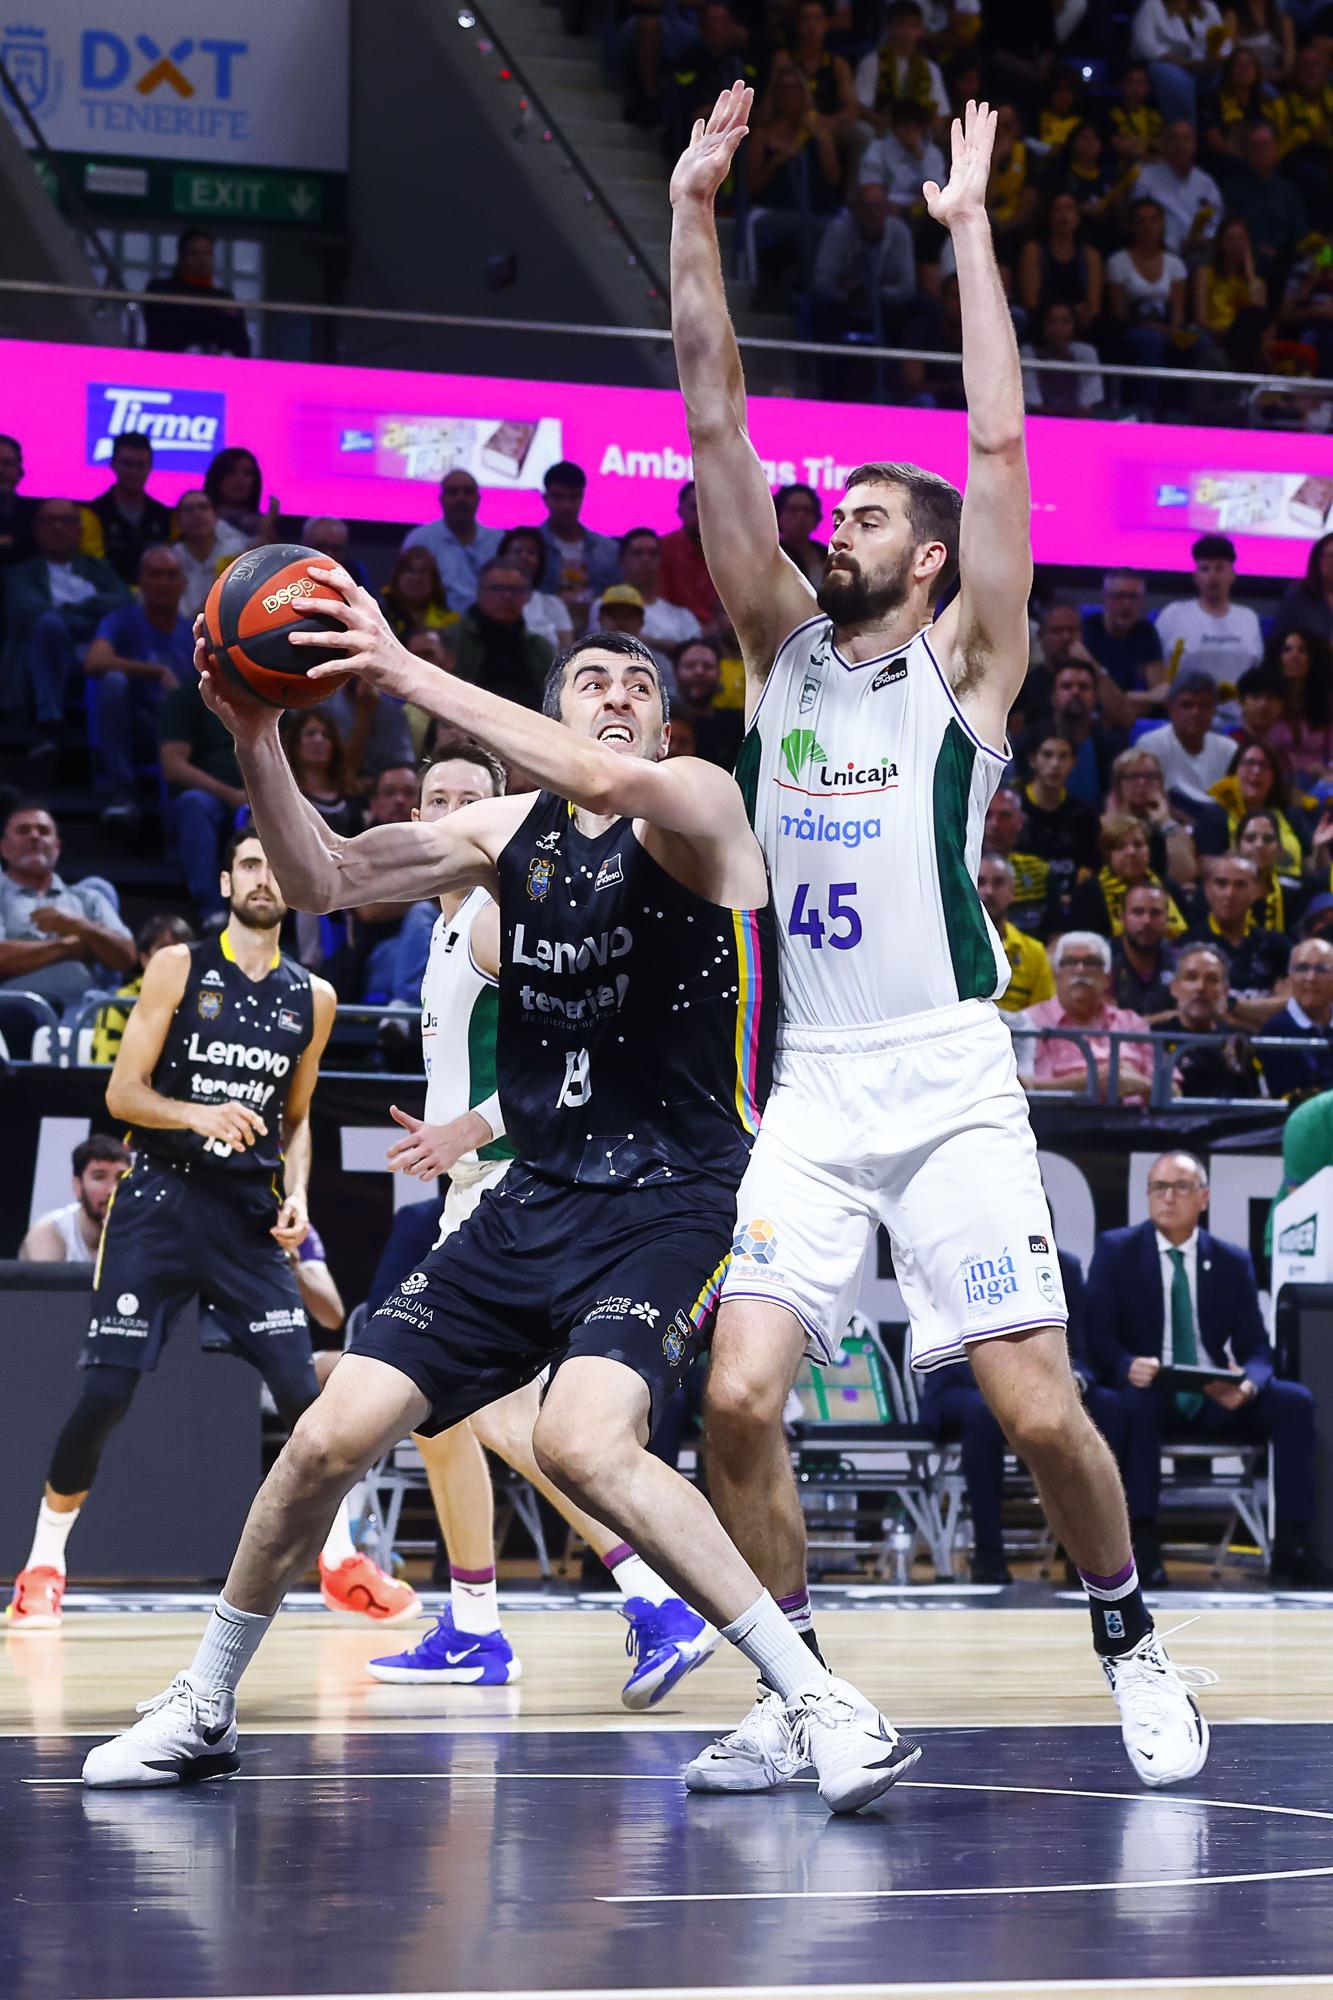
x=184, y=426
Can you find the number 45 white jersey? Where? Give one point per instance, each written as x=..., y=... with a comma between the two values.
x=868, y=791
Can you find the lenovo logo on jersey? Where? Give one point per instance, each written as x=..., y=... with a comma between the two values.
x=304, y=586
x=184, y=426
x=238, y=1055
x=572, y=957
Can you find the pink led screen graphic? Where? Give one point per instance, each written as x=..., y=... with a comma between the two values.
x=372, y=444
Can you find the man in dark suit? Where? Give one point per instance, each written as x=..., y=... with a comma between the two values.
x=1169, y=1292
x=953, y=1408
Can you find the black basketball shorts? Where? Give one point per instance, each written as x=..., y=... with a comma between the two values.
x=541, y=1271
x=170, y=1236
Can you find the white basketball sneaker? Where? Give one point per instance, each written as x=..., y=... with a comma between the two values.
x=1164, y=1732
x=757, y=1756
x=856, y=1751
x=185, y=1735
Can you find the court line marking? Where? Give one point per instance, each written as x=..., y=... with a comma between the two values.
x=1244, y=1982
x=1157, y=1798
x=1007, y=1889
x=454, y=1722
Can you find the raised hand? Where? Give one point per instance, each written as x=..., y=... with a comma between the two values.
x=366, y=642
x=706, y=161
x=963, y=197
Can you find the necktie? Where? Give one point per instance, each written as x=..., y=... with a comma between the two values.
x=1184, y=1340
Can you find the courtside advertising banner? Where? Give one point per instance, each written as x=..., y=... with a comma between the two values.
x=372, y=444
x=254, y=83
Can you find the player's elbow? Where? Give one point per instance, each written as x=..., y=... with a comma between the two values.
x=999, y=437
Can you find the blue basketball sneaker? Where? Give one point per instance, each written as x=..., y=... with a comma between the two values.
x=451, y=1657
x=667, y=1641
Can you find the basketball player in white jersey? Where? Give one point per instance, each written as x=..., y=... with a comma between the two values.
x=875, y=742
x=462, y=1135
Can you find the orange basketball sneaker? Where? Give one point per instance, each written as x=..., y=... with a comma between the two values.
x=35, y=1605
x=360, y=1586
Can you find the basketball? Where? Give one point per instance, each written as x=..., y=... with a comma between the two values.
x=250, y=614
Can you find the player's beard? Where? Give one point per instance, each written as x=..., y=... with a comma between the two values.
x=851, y=599
x=266, y=918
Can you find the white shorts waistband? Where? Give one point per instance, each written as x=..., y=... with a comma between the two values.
x=874, y=1037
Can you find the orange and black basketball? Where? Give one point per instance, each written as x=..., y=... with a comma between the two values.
x=252, y=611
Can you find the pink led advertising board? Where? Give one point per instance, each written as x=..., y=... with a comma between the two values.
x=372, y=444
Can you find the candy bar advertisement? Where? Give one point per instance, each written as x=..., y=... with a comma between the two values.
x=373, y=444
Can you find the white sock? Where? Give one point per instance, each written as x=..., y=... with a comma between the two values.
x=473, y=1601
x=49, y=1538
x=634, y=1578
x=231, y=1640
x=338, y=1543
x=784, y=1661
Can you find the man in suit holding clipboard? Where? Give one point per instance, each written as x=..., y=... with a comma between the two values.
x=1173, y=1324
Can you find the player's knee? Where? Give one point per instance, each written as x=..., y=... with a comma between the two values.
x=577, y=1463
x=741, y=1405
x=1047, y=1428
x=502, y=1428
x=320, y=1455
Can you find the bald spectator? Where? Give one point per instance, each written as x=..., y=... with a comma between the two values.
x=139, y=654
x=685, y=578
x=73, y=1234
x=458, y=542
x=1308, y=1017
x=57, y=939
x=1190, y=199
x=1081, y=962
x=1030, y=976
x=204, y=547
x=1199, y=990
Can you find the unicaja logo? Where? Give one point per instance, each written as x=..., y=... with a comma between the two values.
x=303, y=587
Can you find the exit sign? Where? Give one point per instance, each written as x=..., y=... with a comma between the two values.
x=232, y=196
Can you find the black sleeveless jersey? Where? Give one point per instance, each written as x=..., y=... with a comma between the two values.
x=231, y=1037
x=636, y=1020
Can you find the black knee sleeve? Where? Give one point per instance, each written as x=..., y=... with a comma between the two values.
x=293, y=1386
x=107, y=1394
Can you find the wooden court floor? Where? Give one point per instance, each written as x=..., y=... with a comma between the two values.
x=536, y=1839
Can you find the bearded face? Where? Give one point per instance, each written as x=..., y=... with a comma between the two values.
x=851, y=596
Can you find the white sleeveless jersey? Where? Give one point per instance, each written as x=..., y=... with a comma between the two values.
x=459, y=1012
x=868, y=791
x=66, y=1221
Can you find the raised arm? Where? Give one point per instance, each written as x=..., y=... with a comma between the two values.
x=320, y=870
x=986, y=628
x=685, y=797
x=764, y=594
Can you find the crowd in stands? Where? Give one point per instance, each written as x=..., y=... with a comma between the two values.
x=1161, y=194
x=1158, y=858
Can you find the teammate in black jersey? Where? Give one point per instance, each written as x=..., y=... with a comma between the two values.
x=637, y=1013
x=214, y=1075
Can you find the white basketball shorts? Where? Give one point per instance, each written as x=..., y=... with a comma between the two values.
x=920, y=1124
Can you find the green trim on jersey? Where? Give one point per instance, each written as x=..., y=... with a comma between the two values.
x=970, y=948
x=748, y=760
x=483, y=1025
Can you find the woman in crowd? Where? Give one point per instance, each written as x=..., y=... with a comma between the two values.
x=1255, y=782
x=1060, y=269
x=1145, y=289
x=1305, y=734
x=1085, y=169
x=1265, y=30
x=793, y=174
x=1283, y=895
x=544, y=613
x=1098, y=904
x=413, y=598
x=1307, y=606
x=1237, y=103
x=1231, y=299
x=235, y=485
x=1181, y=41
x=318, y=757
x=1138, y=788
x=1134, y=124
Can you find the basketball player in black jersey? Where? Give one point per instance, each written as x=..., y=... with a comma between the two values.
x=636, y=1023
x=214, y=1076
